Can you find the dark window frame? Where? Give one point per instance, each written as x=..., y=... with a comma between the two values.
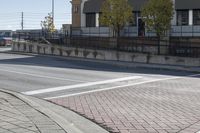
x=134, y=21
x=90, y=19
x=184, y=14
x=196, y=17
x=136, y=15
x=76, y=9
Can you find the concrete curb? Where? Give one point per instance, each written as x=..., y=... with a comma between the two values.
x=66, y=119
x=122, y=64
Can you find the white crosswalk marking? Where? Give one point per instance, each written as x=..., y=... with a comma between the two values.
x=111, y=88
x=79, y=85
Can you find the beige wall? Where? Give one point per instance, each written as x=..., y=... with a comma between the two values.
x=123, y=57
x=76, y=13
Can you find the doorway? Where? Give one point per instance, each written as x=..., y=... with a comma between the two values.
x=141, y=27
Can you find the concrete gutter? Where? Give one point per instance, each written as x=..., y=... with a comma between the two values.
x=66, y=119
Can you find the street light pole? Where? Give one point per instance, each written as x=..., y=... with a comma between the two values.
x=22, y=21
x=53, y=10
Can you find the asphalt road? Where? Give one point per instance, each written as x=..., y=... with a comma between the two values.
x=119, y=99
x=49, y=77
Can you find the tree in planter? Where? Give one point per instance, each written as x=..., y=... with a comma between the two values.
x=157, y=15
x=47, y=24
x=116, y=14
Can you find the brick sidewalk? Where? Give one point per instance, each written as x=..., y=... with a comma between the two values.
x=165, y=107
x=18, y=117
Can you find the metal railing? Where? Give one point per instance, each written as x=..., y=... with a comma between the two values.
x=132, y=31
x=147, y=45
x=185, y=31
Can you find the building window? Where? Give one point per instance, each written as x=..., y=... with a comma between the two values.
x=75, y=9
x=182, y=17
x=90, y=19
x=196, y=17
x=136, y=16
x=134, y=20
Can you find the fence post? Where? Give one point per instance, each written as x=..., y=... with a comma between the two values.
x=117, y=41
x=128, y=31
x=39, y=35
x=18, y=36
x=181, y=31
x=89, y=31
x=192, y=31
x=99, y=31
x=158, y=45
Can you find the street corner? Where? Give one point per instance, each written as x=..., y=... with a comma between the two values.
x=17, y=116
x=165, y=106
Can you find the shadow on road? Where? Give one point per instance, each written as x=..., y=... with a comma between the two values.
x=59, y=62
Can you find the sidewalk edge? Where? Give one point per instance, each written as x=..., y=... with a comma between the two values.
x=66, y=119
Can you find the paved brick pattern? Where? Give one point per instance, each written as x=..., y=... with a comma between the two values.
x=18, y=117
x=165, y=107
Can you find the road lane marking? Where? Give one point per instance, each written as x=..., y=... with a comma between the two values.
x=116, y=87
x=41, y=76
x=79, y=85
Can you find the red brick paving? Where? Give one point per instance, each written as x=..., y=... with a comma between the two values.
x=165, y=107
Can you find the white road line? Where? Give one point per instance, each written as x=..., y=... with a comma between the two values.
x=111, y=88
x=40, y=76
x=79, y=85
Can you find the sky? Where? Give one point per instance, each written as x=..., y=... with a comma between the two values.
x=34, y=13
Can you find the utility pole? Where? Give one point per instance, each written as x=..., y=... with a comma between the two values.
x=22, y=20
x=53, y=10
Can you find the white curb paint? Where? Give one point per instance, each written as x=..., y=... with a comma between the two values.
x=79, y=85
x=128, y=85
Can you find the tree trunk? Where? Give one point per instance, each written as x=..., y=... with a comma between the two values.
x=118, y=32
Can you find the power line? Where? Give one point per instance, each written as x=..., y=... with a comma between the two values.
x=28, y=20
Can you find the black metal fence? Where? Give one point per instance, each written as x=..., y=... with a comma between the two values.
x=145, y=45
x=132, y=31
x=149, y=45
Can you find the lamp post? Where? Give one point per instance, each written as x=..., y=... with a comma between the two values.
x=53, y=10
